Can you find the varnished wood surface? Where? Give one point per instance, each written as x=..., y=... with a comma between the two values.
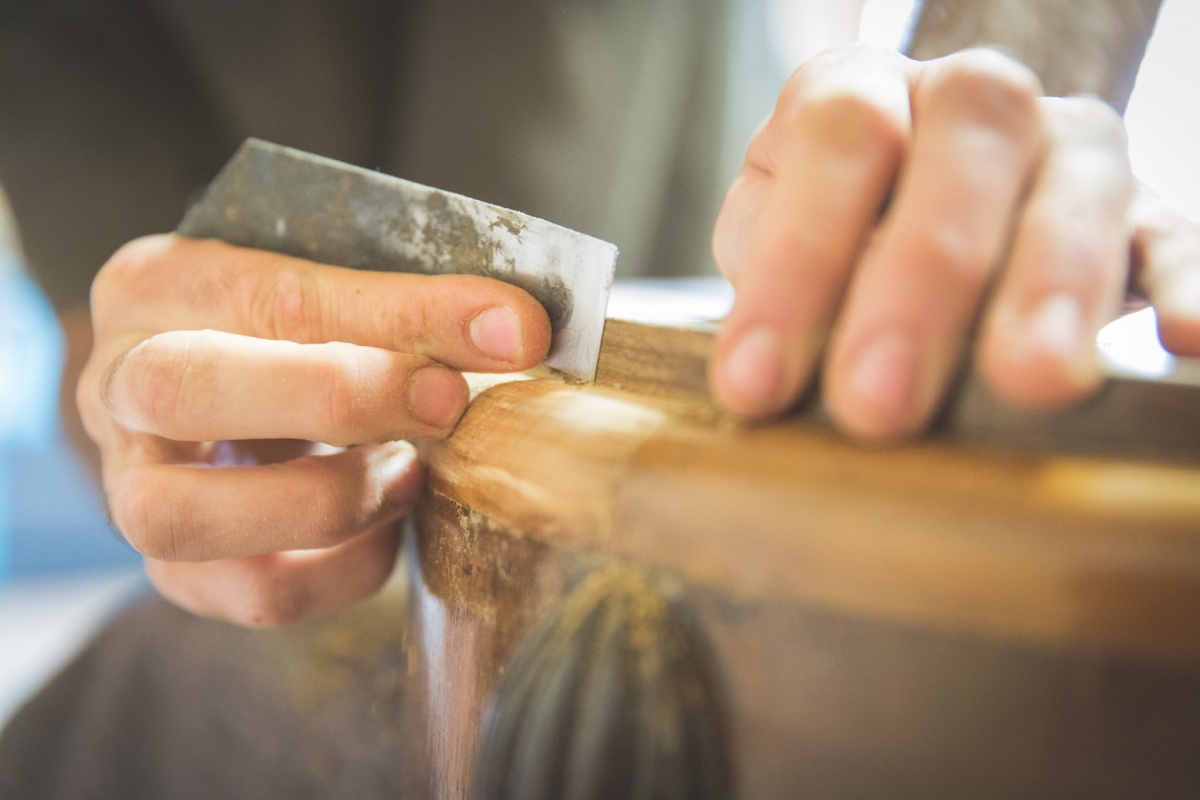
x=1127, y=417
x=955, y=619
x=1077, y=550
x=659, y=361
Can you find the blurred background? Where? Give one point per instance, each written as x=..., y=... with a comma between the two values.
x=62, y=571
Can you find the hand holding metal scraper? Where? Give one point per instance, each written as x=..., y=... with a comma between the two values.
x=212, y=355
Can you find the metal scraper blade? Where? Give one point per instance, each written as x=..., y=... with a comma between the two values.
x=288, y=201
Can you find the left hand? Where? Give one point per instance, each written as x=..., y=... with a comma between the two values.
x=226, y=387
x=888, y=207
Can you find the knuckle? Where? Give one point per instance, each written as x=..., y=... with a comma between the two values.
x=156, y=524
x=730, y=241
x=851, y=120
x=337, y=509
x=149, y=379
x=1078, y=257
x=998, y=89
x=130, y=265
x=990, y=66
x=286, y=307
x=841, y=59
x=1087, y=119
x=334, y=519
x=135, y=257
x=357, y=388
x=423, y=317
x=344, y=401
x=954, y=254
x=800, y=245
x=853, y=98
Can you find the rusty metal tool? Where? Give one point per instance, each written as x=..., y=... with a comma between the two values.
x=288, y=201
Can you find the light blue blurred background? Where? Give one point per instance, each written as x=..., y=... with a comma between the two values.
x=61, y=571
x=51, y=517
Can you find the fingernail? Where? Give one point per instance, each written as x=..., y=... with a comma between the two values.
x=496, y=333
x=754, y=365
x=885, y=376
x=1055, y=327
x=436, y=396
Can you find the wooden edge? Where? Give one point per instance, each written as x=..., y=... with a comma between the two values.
x=1080, y=551
x=1127, y=417
x=656, y=359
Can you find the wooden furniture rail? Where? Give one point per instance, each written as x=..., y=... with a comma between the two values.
x=618, y=592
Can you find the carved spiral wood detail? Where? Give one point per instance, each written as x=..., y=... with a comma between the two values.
x=615, y=694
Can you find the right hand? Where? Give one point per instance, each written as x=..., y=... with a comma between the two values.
x=893, y=215
x=225, y=387
x=1166, y=269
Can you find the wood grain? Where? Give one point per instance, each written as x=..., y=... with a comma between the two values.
x=1081, y=550
x=1127, y=417
x=661, y=361
x=880, y=616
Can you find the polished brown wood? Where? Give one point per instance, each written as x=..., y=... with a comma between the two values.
x=948, y=618
x=1008, y=609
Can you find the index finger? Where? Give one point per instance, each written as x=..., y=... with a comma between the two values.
x=828, y=157
x=169, y=282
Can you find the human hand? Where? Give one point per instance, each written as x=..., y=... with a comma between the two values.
x=1166, y=270
x=215, y=373
x=888, y=207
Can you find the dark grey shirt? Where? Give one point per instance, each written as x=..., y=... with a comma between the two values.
x=603, y=115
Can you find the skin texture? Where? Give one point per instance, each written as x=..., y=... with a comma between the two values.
x=889, y=207
x=886, y=211
x=208, y=355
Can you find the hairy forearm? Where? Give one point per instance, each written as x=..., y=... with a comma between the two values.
x=1075, y=46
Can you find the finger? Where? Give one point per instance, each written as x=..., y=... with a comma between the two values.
x=465, y=321
x=1067, y=271
x=182, y=512
x=735, y=221
x=207, y=385
x=1166, y=249
x=281, y=588
x=831, y=148
x=907, y=314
